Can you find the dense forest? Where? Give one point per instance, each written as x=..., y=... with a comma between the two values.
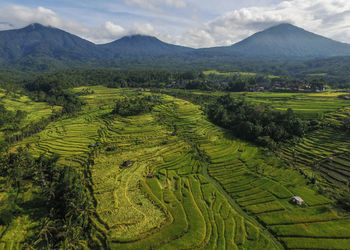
x=9, y=121
x=334, y=70
x=256, y=123
x=53, y=92
x=46, y=86
x=10, y=117
x=60, y=196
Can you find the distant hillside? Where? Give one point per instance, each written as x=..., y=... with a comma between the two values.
x=142, y=46
x=288, y=41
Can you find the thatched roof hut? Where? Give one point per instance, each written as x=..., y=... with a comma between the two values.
x=297, y=200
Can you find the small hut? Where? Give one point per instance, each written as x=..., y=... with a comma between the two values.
x=127, y=164
x=297, y=200
x=150, y=176
x=92, y=145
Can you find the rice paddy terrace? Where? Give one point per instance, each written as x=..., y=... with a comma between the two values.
x=170, y=179
x=307, y=105
x=34, y=110
x=324, y=154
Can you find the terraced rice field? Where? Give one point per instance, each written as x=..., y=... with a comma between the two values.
x=175, y=209
x=312, y=105
x=263, y=185
x=191, y=184
x=69, y=138
x=178, y=207
x=307, y=105
x=324, y=154
x=35, y=110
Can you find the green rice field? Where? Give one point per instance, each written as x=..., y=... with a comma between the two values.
x=307, y=105
x=192, y=185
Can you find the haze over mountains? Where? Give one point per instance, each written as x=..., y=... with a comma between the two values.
x=41, y=46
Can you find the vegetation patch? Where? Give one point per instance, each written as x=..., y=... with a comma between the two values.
x=256, y=123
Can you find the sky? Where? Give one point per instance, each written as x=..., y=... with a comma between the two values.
x=193, y=23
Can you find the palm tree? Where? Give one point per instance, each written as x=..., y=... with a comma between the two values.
x=45, y=233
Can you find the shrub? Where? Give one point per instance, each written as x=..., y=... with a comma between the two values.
x=128, y=106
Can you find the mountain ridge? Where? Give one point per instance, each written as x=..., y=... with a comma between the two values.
x=147, y=45
x=291, y=41
x=40, y=46
x=36, y=39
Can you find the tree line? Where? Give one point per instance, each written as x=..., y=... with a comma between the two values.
x=186, y=79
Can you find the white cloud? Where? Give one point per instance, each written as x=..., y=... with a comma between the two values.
x=114, y=29
x=19, y=15
x=15, y=16
x=146, y=4
x=174, y=3
x=328, y=18
x=325, y=17
x=155, y=5
x=149, y=30
x=143, y=29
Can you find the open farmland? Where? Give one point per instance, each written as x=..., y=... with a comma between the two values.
x=214, y=72
x=191, y=184
x=227, y=74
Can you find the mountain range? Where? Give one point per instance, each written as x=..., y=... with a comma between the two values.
x=40, y=47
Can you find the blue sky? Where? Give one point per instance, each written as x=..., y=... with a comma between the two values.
x=194, y=23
